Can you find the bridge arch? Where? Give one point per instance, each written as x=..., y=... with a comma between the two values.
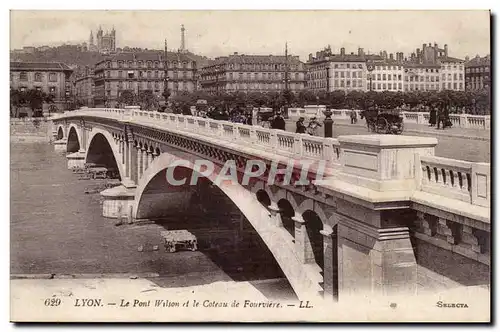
x=60, y=132
x=97, y=137
x=74, y=142
x=256, y=214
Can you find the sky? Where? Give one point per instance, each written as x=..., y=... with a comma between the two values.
x=219, y=33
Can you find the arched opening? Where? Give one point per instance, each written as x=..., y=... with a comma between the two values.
x=227, y=241
x=73, y=145
x=263, y=198
x=60, y=133
x=100, y=154
x=314, y=226
x=287, y=212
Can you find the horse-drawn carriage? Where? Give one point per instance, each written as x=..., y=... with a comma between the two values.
x=384, y=121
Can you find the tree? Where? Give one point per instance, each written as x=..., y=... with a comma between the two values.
x=148, y=100
x=336, y=99
x=127, y=98
x=35, y=99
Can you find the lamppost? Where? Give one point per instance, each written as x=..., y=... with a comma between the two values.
x=370, y=69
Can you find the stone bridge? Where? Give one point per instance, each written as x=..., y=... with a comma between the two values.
x=376, y=214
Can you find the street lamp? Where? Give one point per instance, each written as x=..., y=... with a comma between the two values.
x=370, y=69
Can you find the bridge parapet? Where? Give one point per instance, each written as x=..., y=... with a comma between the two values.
x=456, y=179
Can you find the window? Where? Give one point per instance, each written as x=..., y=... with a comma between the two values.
x=354, y=83
x=455, y=76
x=388, y=77
x=348, y=74
x=156, y=74
x=384, y=86
x=379, y=86
x=461, y=86
x=444, y=77
x=341, y=74
x=460, y=76
x=353, y=74
x=120, y=73
x=454, y=85
x=149, y=74
x=341, y=84
x=400, y=86
x=120, y=64
x=378, y=77
x=449, y=86
x=53, y=77
x=38, y=77
x=348, y=65
x=383, y=78
x=360, y=66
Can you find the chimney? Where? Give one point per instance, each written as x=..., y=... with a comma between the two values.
x=342, y=51
x=360, y=52
x=235, y=53
x=317, y=55
x=423, y=47
x=446, y=50
x=352, y=53
x=391, y=56
x=435, y=45
x=406, y=59
x=430, y=45
x=310, y=57
x=467, y=58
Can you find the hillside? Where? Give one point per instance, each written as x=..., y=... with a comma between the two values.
x=72, y=55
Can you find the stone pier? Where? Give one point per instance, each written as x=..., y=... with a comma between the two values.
x=118, y=202
x=76, y=160
x=60, y=145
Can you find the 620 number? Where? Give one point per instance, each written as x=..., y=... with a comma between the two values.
x=54, y=302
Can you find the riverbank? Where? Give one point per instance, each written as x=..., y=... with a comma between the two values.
x=30, y=130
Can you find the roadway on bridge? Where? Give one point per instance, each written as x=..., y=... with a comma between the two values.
x=456, y=143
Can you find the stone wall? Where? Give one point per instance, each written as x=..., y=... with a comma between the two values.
x=30, y=130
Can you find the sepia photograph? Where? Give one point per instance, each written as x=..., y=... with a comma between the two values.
x=250, y=166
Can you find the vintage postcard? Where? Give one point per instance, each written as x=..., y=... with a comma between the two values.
x=250, y=166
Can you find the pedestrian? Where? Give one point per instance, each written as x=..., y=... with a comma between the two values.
x=278, y=122
x=354, y=117
x=312, y=127
x=433, y=116
x=301, y=128
x=441, y=118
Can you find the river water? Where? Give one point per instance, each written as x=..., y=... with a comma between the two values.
x=58, y=229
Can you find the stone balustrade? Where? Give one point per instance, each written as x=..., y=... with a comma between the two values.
x=456, y=179
x=458, y=120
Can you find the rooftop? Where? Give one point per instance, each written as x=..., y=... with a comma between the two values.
x=54, y=66
x=479, y=61
x=450, y=59
x=150, y=56
x=251, y=59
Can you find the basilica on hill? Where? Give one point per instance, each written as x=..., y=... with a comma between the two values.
x=105, y=41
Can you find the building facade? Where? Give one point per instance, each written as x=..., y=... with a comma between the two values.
x=347, y=72
x=422, y=77
x=50, y=77
x=478, y=73
x=452, y=73
x=84, y=86
x=252, y=73
x=386, y=75
x=143, y=71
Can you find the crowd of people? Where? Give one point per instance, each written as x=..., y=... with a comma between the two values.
x=439, y=116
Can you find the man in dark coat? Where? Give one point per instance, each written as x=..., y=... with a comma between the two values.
x=301, y=128
x=278, y=122
x=433, y=116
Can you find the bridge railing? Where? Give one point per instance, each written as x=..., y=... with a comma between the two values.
x=456, y=179
x=458, y=120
